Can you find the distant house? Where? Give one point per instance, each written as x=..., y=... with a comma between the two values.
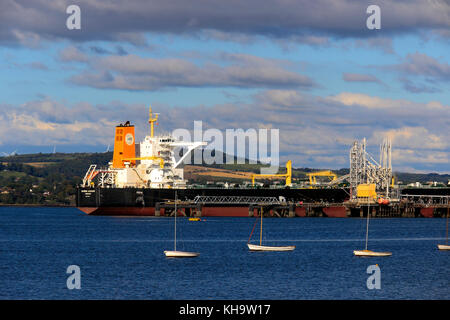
x=415, y=184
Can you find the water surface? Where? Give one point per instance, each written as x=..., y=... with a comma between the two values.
x=122, y=257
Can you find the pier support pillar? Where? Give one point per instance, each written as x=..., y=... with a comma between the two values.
x=291, y=211
x=157, y=209
x=348, y=211
x=404, y=212
x=197, y=210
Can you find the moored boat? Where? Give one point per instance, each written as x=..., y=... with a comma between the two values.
x=369, y=253
x=181, y=254
x=260, y=247
x=445, y=246
x=255, y=247
x=176, y=253
x=366, y=252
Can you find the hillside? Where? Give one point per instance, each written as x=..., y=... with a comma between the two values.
x=48, y=179
x=51, y=179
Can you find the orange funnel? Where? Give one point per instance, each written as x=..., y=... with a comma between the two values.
x=124, y=145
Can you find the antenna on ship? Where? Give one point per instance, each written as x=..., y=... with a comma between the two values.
x=151, y=120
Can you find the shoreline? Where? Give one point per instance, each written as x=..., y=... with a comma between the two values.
x=35, y=205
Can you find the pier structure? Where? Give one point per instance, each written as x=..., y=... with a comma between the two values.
x=426, y=206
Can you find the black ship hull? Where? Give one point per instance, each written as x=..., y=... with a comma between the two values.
x=329, y=202
x=149, y=202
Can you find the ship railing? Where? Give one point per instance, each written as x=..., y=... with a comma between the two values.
x=89, y=174
x=106, y=176
x=426, y=199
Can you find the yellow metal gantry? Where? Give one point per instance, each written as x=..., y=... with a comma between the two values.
x=287, y=175
x=312, y=176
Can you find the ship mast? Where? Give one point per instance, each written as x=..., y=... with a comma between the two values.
x=151, y=120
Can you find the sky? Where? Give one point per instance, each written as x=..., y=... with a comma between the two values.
x=312, y=69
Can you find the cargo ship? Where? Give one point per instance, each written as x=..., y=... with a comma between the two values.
x=142, y=178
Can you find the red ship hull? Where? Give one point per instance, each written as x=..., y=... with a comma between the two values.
x=427, y=212
x=150, y=211
x=119, y=211
x=332, y=212
x=335, y=212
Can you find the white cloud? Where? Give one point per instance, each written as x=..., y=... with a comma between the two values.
x=132, y=72
x=311, y=22
x=314, y=131
x=349, y=99
x=415, y=157
x=418, y=138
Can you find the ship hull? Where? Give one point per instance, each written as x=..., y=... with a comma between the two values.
x=151, y=202
x=427, y=212
x=335, y=212
x=146, y=202
x=118, y=211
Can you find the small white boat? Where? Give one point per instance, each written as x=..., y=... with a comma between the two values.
x=369, y=253
x=175, y=253
x=443, y=247
x=254, y=247
x=181, y=254
x=260, y=247
x=366, y=252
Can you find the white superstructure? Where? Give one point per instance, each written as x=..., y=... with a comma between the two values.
x=148, y=164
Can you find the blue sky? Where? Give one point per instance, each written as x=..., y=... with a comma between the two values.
x=312, y=70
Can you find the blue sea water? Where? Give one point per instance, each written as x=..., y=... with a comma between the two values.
x=122, y=257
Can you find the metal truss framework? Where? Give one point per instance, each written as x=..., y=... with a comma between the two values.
x=236, y=200
x=364, y=168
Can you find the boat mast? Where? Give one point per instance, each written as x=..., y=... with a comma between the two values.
x=260, y=234
x=446, y=228
x=367, y=225
x=175, y=241
x=368, y=201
